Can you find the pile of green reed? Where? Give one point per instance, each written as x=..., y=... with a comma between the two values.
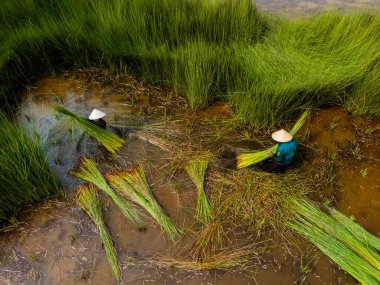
x=355, y=250
x=109, y=140
x=133, y=184
x=87, y=196
x=196, y=169
x=25, y=176
x=205, y=50
x=89, y=171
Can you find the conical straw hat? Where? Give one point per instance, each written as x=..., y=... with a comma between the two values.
x=282, y=136
x=96, y=114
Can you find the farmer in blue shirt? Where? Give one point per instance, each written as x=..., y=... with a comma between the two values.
x=285, y=152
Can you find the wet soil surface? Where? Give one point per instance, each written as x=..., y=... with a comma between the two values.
x=56, y=243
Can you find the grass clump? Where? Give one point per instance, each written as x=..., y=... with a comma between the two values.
x=87, y=196
x=89, y=171
x=25, y=176
x=336, y=238
x=196, y=169
x=206, y=50
x=109, y=140
x=247, y=159
x=133, y=184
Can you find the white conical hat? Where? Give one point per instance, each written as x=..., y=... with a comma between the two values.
x=282, y=136
x=96, y=114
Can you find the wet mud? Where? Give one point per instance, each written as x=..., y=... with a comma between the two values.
x=56, y=243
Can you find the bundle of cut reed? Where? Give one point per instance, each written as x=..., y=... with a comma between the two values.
x=90, y=172
x=337, y=239
x=133, y=183
x=87, y=196
x=247, y=159
x=109, y=140
x=196, y=169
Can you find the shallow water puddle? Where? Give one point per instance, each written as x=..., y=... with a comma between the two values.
x=57, y=244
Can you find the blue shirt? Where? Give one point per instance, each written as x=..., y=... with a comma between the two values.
x=285, y=152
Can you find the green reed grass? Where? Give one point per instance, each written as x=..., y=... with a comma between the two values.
x=337, y=239
x=247, y=159
x=87, y=196
x=90, y=172
x=133, y=184
x=196, y=169
x=206, y=50
x=25, y=176
x=109, y=140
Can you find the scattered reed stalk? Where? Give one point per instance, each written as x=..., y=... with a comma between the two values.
x=87, y=196
x=237, y=257
x=196, y=169
x=89, y=171
x=337, y=240
x=109, y=140
x=247, y=159
x=133, y=184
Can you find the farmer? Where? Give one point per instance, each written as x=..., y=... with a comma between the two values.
x=96, y=118
x=285, y=152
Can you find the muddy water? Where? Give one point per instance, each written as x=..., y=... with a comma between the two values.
x=58, y=244
x=301, y=7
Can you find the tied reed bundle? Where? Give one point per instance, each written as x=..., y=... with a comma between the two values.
x=196, y=169
x=90, y=172
x=87, y=196
x=133, y=184
x=109, y=140
x=247, y=159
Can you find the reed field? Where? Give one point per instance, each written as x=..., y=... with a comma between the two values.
x=25, y=176
x=205, y=50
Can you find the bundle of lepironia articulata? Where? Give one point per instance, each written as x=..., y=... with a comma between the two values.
x=132, y=183
x=247, y=159
x=90, y=172
x=346, y=243
x=109, y=140
x=87, y=196
x=196, y=169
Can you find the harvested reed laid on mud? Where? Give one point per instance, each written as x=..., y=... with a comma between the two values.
x=109, y=140
x=336, y=239
x=87, y=196
x=196, y=169
x=133, y=184
x=89, y=171
x=247, y=159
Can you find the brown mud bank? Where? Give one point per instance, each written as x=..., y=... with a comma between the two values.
x=56, y=243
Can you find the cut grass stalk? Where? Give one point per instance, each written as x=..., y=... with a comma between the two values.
x=240, y=256
x=109, y=140
x=87, y=196
x=196, y=169
x=360, y=233
x=336, y=240
x=90, y=172
x=247, y=159
x=133, y=184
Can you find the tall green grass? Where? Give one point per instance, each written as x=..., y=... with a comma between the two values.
x=267, y=68
x=25, y=177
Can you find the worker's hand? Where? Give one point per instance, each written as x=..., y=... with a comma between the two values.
x=271, y=154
